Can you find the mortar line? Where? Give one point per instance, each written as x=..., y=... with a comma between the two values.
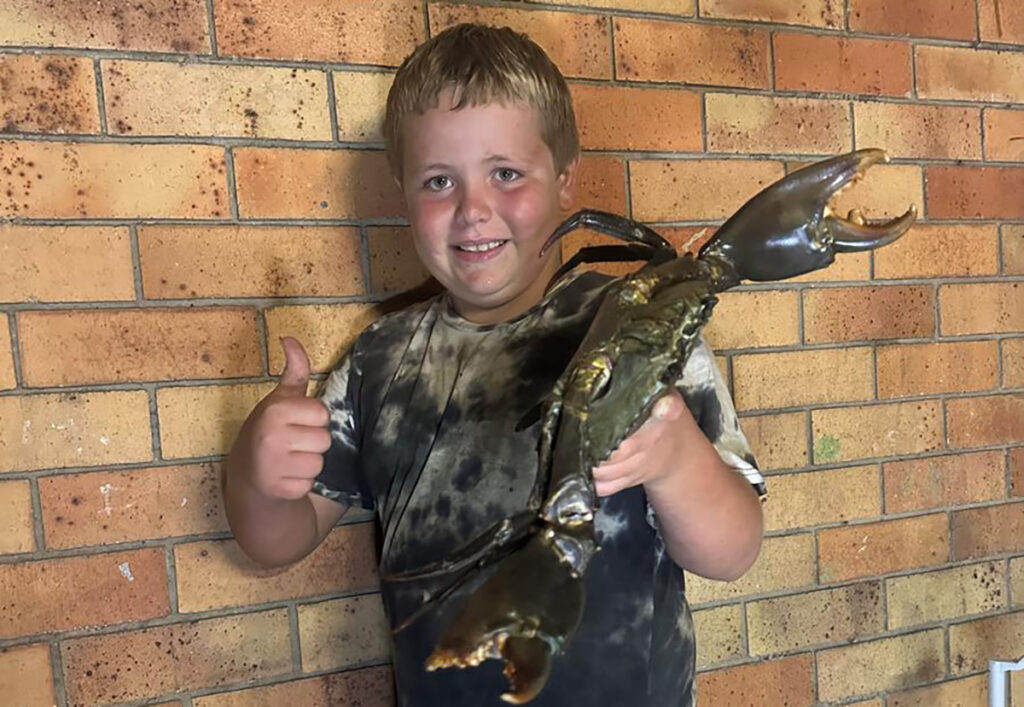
x=133, y=240
x=10, y=317
x=365, y=261
x=296, y=644
x=38, y=526
x=172, y=575
x=332, y=107
x=211, y=27
x=264, y=338
x=154, y=420
x=57, y=668
x=101, y=101
x=229, y=168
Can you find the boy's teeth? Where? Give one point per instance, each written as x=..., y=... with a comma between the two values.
x=480, y=247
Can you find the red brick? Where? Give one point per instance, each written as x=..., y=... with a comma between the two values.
x=106, y=507
x=783, y=624
x=936, y=482
x=150, y=25
x=601, y=184
x=315, y=184
x=941, y=132
x=945, y=594
x=791, y=378
x=628, y=118
x=1013, y=363
x=748, y=123
x=818, y=497
x=65, y=263
x=366, y=687
x=16, y=527
x=975, y=192
x=974, y=643
x=997, y=419
x=969, y=74
x=981, y=308
x=343, y=633
x=113, y=346
x=945, y=367
x=112, y=180
x=138, y=665
x=1013, y=250
x=357, y=31
x=579, y=44
x=783, y=682
x=179, y=262
x=682, y=52
x=841, y=434
x=327, y=331
x=991, y=530
x=1016, y=459
x=198, y=421
x=816, y=13
x=47, y=93
x=754, y=319
x=1001, y=21
x=806, y=62
x=968, y=691
x=76, y=592
x=919, y=18
x=879, y=548
x=778, y=441
x=394, y=264
x=216, y=574
x=25, y=674
x=946, y=250
x=885, y=664
x=7, y=377
x=74, y=429
x=668, y=190
x=860, y=313
x=163, y=98
x=1004, y=134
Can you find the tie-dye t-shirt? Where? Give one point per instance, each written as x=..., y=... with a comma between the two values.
x=424, y=415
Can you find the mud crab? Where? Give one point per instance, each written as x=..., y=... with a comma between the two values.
x=639, y=341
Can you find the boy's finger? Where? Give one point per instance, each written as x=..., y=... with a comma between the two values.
x=295, y=377
x=668, y=407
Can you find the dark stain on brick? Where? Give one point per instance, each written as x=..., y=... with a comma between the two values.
x=160, y=25
x=40, y=95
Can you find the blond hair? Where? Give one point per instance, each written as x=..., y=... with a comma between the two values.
x=482, y=65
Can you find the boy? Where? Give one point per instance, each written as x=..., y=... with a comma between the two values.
x=419, y=420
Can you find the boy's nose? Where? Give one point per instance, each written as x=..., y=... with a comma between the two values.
x=474, y=207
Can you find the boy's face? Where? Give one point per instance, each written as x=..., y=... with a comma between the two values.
x=483, y=197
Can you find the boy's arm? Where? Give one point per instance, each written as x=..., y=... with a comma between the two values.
x=710, y=515
x=271, y=469
x=277, y=531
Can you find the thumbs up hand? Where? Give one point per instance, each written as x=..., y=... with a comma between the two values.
x=280, y=448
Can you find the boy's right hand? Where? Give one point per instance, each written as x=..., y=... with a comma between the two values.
x=280, y=448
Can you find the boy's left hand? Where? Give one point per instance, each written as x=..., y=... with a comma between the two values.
x=653, y=452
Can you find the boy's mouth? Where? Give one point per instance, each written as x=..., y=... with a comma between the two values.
x=480, y=246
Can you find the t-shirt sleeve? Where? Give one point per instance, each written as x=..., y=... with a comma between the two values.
x=342, y=478
x=707, y=395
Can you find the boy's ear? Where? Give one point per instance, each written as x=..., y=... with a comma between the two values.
x=567, y=181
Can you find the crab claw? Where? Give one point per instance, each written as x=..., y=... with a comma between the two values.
x=788, y=229
x=522, y=615
x=609, y=224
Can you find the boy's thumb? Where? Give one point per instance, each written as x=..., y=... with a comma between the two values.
x=667, y=407
x=295, y=376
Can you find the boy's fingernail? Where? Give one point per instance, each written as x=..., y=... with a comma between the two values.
x=662, y=408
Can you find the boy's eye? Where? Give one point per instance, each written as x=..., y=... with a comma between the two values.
x=438, y=183
x=506, y=174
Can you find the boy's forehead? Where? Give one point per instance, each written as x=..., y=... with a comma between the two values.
x=495, y=126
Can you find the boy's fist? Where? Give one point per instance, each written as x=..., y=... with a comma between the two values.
x=281, y=445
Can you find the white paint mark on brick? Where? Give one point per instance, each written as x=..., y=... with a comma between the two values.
x=126, y=571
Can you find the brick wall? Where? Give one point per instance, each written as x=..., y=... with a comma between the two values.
x=183, y=181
